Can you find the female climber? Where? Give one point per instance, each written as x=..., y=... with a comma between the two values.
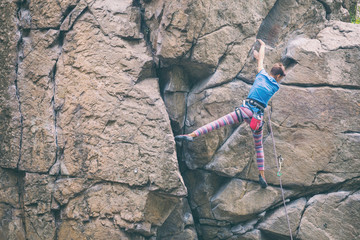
x=252, y=111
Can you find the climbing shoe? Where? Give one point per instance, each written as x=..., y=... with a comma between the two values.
x=262, y=182
x=186, y=138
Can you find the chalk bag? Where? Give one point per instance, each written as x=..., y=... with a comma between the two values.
x=255, y=123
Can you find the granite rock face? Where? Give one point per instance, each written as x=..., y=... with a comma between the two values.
x=93, y=91
x=86, y=131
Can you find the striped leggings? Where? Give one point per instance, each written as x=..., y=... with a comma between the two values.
x=232, y=118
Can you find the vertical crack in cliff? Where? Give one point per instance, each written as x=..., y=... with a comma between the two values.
x=145, y=30
x=71, y=15
x=146, y=33
x=296, y=232
x=57, y=219
x=19, y=57
x=190, y=52
x=327, y=8
x=21, y=192
x=223, y=56
x=55, y=110
x=19, y=52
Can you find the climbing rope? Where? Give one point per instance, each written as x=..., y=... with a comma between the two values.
x=279, y=161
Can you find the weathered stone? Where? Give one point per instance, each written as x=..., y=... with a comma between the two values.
x=172, y=24
x=111, y=92
x=45, y=14
x=308, y=16
x=226, y=40
x=36, y=92
x=234, y=156
x=11, y=214
x=10, y=115
x=276, y=222
x=344, y=166
x=285, y=21
x=67, y=188
x=179, y=225
x=95, y=229
x=231, y=62
x=71, y=18
x=235, y=201
x=331, y=216
x=244, y=227
x=333, y=50
x=39, y=220
x=84, y=126
x=187, y=233
x=253, y=235
x=209, y=232
x=9, y=189
x=135, y=210
x=312, y=125
x=120, y=19
x=175, y=88
x=335, y=9
x=205, y=50
x=168, y=24
x=95, y=202
x=224, y=233
x=158, y=208
x=11, y=226
x=202, y=185
x=37, y=191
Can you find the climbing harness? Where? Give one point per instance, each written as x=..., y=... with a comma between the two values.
x=255, y=123
x=279, y=160
x=255, y=103
x=238, y=114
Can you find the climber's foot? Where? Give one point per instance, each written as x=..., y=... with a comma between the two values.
x=262, y=182
x=186, y=138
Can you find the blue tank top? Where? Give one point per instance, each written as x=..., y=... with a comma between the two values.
x=263, y=88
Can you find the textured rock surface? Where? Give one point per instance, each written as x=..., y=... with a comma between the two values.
x=235, y=202
x=276, y=222
x=92, y=92
x=320, y=212
x=11, y=117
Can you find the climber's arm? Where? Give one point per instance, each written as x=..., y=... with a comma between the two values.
x=260, y=56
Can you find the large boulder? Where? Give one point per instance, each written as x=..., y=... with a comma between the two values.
x=179, y=225
x=240, y=200
x=107, y=107
x=276, y=223
x=331, y=216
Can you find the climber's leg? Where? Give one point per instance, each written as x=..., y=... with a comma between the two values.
x=231, y=118
x=258, y=140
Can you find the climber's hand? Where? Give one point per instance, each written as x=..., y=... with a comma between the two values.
x=260, y=41
x=256, y=54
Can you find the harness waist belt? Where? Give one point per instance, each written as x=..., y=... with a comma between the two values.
x=256, y=103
